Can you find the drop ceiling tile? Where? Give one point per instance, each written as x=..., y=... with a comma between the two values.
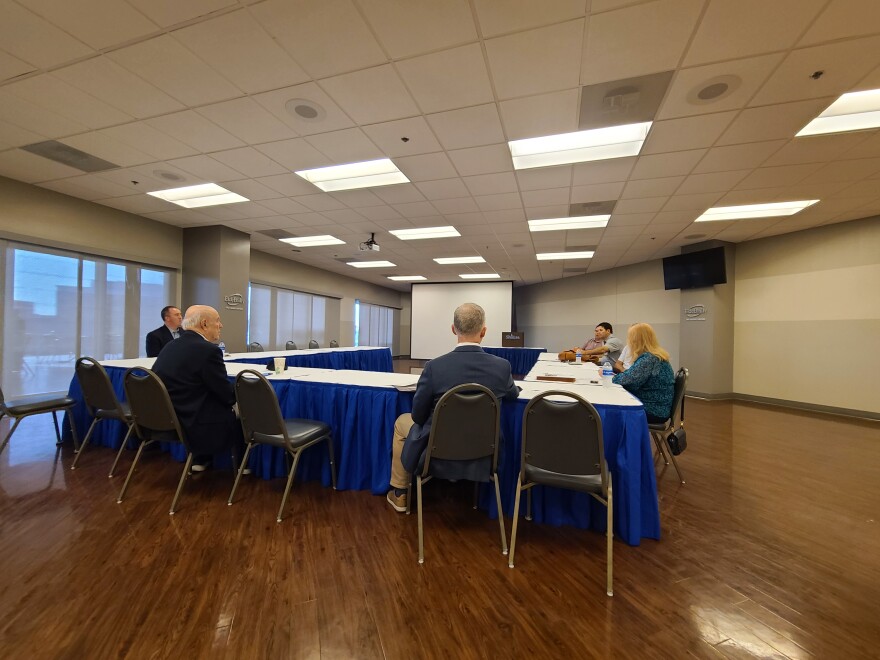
x=102, y=78
x=409, y=28
x=169, y=66
x=251, y=189
x=712, y=182
x=72, y=187
x=36, y=41
x=659, y=165
x=238, y=46
x=499, y=18
x=773, y=121
x=543, y=212
x=645, y=205
x=662, y=186
x=389, y=137
x=139, y=204
x=844, y=65
x=247, y=120
x=457, y=205
x=482, y=160
x=544, y=114
x=844, y=19
x=295, y=154
x=12, y=67
x=106, y=147
x=320, y=202
x=845, y=170
x=347, y=146
x=491, y=184
x=357, y=199
x=54, y=94
x=14, y=136
x=544, y=177
x=426, y=167
x=866, y=189
x=867, y=149
x=416, y=209
x=602, y=171
x=148, y=140
x=443, y=189
x=170, y=12
x=631, y=219
x=634, y=41
x=98, y=23
x=596, y=192
x=536, y=61
x=699, y=202
x=288, y=184
x=342, y=216
x=379, y=213
x=687, y=132
x=681, y=100
x=207, y=169
x=502, y=202
x=815, y=148
x=372, y=95
x=402, y=193
x=533, y=198
x=449, y=79
x=27, y=167
x=249, y=162
x=737, y=157
x=468, y=127
x=326, y=37
x=768, y=177
x=731, y=30
x=284, y=206
x=191, y=128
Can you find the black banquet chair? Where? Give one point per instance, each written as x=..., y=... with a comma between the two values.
x=563, y=447
x=661, y=430
x=465, y=427
x=290, y=346
x=153, y=418
x=255, y=347
x=314, y=344
x=262, y=423
x=334, y=343
x=36, y=404
x=101, y=402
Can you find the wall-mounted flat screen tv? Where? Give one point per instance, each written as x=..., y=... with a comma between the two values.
x=695, y=269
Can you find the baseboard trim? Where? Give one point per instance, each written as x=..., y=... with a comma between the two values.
x=785, y=403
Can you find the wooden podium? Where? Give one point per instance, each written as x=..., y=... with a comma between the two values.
x=512, y=339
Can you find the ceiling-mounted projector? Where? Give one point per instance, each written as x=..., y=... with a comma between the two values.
x=370, y=244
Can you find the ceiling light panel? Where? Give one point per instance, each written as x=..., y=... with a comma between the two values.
x=561, y=224
x=550, y=256
x=425, y=232
x=407, y=278
x=312, y=241
x=775, y=209
x=368, y=174
x=579, y=147
x=480, y=276
x=204, y=194
x=460, y=260
x=371, y=264
x=855, y=111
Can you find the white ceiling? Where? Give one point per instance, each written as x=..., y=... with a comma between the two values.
x=199, y=88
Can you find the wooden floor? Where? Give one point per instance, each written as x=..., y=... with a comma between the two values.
x=772, y=549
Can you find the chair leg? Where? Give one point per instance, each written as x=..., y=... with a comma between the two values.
x=332, y=460
x=289, y=484
x=409, y=497
x=609, y=588
x=658, y=442
x=500, y=514
x=241, y=467
x=476, y=494
x=130, y=472
x=421, y=528
x=57, y=430
x=85, y=442
x=189, y=460
x=515, y=521
x=121, y=449
x=675, y=465
x=9, y=435
x=529, y=504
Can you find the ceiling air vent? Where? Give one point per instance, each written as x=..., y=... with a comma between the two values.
x=67, y=155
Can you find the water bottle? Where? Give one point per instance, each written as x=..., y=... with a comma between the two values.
x=578, y=356
x=607, y=372
x=222, y=347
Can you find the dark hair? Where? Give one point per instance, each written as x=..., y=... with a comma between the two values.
x=606, y=325
x=167, y=309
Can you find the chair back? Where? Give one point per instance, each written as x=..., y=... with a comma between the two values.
x=563, y=436
x=681, y=381
x=258, y=405
x=334, y=343
x=255, y=347
x=314, y=344
x=96, y=388
x=290, y=346
x=465, y=426
x=151, y=407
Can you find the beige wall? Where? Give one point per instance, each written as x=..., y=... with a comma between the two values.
x=562, y=313
x=40, y=216
x=807, y=318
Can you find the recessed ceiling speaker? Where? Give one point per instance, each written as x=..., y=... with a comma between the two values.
x=168, y=176
x=715, y=89
x=305, y=110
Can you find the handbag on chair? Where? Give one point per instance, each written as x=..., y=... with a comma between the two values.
x=677, y=440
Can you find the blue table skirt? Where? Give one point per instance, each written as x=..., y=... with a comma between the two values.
x=378, y=359
x=521, y=359
x=362, y=420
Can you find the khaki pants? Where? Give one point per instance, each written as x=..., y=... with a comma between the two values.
x=400, y=478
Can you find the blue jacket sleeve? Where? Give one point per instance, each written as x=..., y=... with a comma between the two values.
x=423, y=399
x=638, y=373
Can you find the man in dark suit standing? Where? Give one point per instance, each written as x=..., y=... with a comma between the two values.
x=164, y=334
x=193, y=371
x=467, y=363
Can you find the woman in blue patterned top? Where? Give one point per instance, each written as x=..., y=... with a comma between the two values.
x=650, y=378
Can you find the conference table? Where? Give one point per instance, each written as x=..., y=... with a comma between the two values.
x=361, y=408
x=522, y=359
x=361, y=358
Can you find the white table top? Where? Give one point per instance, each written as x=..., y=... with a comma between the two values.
x=588, y=383
x=232, y=368
x=265, y=355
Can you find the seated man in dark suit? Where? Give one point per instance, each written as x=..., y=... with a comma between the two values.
x=468, y=363
x=193, y=371
x=164, y=334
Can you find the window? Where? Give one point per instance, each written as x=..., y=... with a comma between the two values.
x=277, y=316
x=60, y=305
x=374, y=325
